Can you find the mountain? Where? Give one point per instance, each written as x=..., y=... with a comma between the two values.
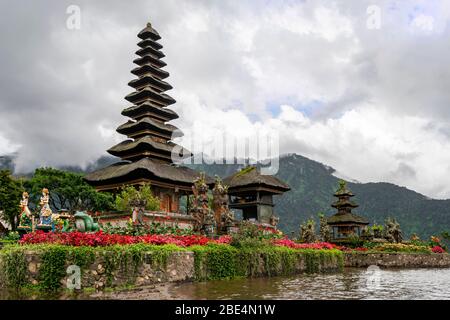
x=312, y=187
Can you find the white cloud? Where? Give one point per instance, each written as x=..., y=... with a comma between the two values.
x=371, y=103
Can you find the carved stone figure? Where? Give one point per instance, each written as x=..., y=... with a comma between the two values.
x=85, y=223
x=308, y=232
x=393, y=233
x=26, y=219
x=45, y=216
x=200, y=211
x=274, y=220
x=138, y=207
x=224, y=217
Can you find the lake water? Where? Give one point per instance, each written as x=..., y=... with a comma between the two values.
x=351, y=284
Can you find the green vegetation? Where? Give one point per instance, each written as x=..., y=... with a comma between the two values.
x=312, y=187
x=10, y=195
x=55, y=259
x=67, y=191
x=129, y=195
x=215, y=261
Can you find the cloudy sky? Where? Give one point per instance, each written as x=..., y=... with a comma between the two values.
x=367, y=97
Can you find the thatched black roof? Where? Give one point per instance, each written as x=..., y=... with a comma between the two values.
x=149, y=50
x=147, y=123
x=148, y=58
x=145, y=168
x=149, y=33
x=347, y=218
x=146, y=144
x=148, y=68
x=150, y=43
x=149, y=93
x=251, y=177
x=149, y=108
x=148, y=79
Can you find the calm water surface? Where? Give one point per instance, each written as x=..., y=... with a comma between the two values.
x=351, y=284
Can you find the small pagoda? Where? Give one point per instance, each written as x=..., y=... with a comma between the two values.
x=147, y=153
x=345, y=224
x=252, y=192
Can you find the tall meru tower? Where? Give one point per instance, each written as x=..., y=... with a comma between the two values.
x=146, y=154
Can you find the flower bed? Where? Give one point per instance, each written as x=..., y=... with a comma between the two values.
x=104, y=239
x=291, y=244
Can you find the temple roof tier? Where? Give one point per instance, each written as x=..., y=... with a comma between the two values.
x=343, y=191
x=149, y=80
x=149, y=50
x=147, y=93
x=149, y=33
x=149, y=109
x=250, y=177
x=150, y=43
x=346, y=218
x=142, y=147
x=148, y=126
x=150, y=59
x=150, y=69
x=143, y=170
x=342, y=203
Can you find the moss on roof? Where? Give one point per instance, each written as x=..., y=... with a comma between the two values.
x=250, y=176
x=346, y=218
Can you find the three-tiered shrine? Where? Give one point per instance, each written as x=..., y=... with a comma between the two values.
x=147, y=153
x=345, y=224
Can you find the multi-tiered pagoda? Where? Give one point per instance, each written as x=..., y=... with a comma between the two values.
x=147, y=153
x=345, y=224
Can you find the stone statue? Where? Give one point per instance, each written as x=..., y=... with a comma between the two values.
x=224, y=217
x=45, y=216
x=274, y=220
x=85, y=223
x=26, y=219
x=393, y=233
x=308, y=232
x=200, y=211
x=138, y=207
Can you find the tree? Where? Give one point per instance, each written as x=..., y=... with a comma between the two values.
x=325, y=230
x=129, y=194
x=10, y=195
x=67, y=191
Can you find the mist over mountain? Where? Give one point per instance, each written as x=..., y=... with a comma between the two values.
x=312, y=187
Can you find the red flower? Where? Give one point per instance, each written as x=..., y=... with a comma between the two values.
x=102, y=239
x=437, y=249
x=291, y=244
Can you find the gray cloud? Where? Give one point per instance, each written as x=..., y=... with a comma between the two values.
x=61, y=91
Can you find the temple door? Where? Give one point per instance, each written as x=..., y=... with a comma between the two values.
x=165, y=203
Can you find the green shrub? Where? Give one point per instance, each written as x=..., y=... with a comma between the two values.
x=129, y=194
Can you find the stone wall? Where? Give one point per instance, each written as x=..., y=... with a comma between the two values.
x=180, y=266
x=397, y=260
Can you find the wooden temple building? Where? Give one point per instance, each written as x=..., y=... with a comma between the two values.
x=147, y=153
x=345, y=224
x=252, y=192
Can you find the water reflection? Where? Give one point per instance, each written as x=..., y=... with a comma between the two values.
x=351, y=284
